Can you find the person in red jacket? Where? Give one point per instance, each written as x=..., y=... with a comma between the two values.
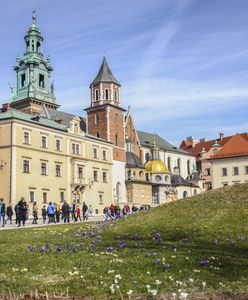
x=78, y=214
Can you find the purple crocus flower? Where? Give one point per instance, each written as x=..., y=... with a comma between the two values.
x=158, y=235
x=42, y=248
x=92, y=234
x=167, y=266
x=58, y=249
x=122, y=244
x=110, y=248
x=30, y=248
x=148, y=254
x=204, y=263
x=157, y=260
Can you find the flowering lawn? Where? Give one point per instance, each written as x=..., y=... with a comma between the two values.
x=190, y=249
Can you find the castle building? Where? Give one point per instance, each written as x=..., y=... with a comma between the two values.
x=45, y=154
x=50, y=155
x=212, y=153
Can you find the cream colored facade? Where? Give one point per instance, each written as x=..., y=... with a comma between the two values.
x=229, y=171
x=45, y=164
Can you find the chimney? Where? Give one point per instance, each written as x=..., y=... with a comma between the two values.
x=221, y=136
x=5, y=107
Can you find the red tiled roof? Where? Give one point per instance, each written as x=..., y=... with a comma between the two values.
x=237, y=145
x=207, y=145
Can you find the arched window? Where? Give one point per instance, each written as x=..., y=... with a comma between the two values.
x=96, y=119
x=179, y=165
x=141, y=174
x=116, y=120
x=195, y=191
x=96, y=95
x=115, y=95
x=38, y=46
x=166, y=178
x=188, y=167
x=106, y=94
x=185, y=194
x=98, y=134
x=169, y=163
x=116, y=139
x=147, y=157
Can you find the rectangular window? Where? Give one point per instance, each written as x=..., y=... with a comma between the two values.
x=58, y=145
x=62, y=197
x=235, y=171
x=95, y=153
x=104, y=156
x=44, y=142
x=41, y=80
x=100, y=198
x=225, y=184
x=26, y=166
x=208, y=173
x=43, y=169
x=23, y=80
x=104, y=176
x=31, y=196
x=58, y=170
x=73, y=148
x=224, y=171
x=95, y=175
x=44, y=197
x=80, y=172
x=26, y=138
x=246, y=170
x=77, y=149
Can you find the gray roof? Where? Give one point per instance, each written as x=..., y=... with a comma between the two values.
x=17, y=114
x=105, y=74
x=146, y=140
x=57, y=115
x=132, y=160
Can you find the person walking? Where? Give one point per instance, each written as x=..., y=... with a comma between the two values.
x=51, y=213
x=16, y=213
x=9, y=213
x=22, y=212
x=3, y=212
x=35, y=213
x=66, y=212
x=78, y=214
x=58, y=213
x=85, y=210
x=1, y=203
x=44, y=214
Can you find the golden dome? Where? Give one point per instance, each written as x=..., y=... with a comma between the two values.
x=156, y=166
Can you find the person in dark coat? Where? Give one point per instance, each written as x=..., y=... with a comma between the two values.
x=9, y=213
x=84, y=210
x=66, y=212
x=16, y=213
x=3, y=212
x=22, y=212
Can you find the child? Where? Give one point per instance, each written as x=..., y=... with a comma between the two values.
x=78, y=213
x=44, y=213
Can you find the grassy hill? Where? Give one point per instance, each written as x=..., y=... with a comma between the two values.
x=190, y=249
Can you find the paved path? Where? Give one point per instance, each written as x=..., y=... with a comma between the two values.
x=29, y=224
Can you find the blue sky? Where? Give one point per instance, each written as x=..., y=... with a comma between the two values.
x=183, y=64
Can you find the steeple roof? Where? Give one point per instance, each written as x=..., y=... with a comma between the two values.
x=105, y=74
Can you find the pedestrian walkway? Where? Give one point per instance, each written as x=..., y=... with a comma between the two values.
x=29, y=224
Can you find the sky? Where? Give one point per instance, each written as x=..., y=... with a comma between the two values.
x=182, y=64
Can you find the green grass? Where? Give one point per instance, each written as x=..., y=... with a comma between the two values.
x=212, y=226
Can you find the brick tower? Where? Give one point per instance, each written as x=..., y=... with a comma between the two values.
x=105, y=119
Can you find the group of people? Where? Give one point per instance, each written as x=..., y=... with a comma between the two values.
x=53, y=213
x=114, y=211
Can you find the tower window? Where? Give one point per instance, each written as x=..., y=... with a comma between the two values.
x=106, y=94
x=116, y=139
x=96, y=95
x=97, y=119
x=116, y=120
x=38, y=46
x=23, y=80
x=41, y=80
x=115, y=95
